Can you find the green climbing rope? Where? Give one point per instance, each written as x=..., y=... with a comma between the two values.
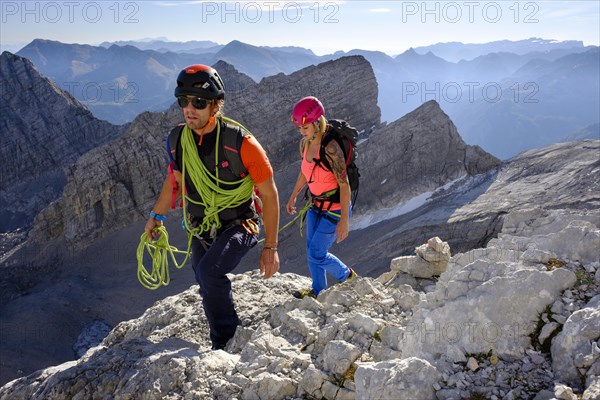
x=159, y=250
x=300, y=216
x=214, y=197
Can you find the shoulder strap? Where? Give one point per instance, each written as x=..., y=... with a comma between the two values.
x=172, y=142
x=233, y=137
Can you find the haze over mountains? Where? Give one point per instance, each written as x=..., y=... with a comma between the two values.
x=73, y=279
x=540, y=89
x=75, y=264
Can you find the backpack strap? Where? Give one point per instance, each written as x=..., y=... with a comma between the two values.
x=172, y=142
x=233, y=136
x=232, y=147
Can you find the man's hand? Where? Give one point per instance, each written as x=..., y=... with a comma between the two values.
x=269, y=262
x=149, y=228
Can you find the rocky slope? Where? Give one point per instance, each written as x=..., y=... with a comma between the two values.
x=547, y=241
x=469, y=213
x=44, y=129
x=516, y=319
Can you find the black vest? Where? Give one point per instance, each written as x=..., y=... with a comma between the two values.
x=231, y=137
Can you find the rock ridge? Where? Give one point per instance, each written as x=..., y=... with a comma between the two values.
x=419, y=152
x=44, y=130
x=392, y=337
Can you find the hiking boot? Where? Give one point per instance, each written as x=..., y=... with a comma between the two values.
x=302, y=293
x=353, y=275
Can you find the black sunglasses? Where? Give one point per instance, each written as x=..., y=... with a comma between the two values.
x=197, y=102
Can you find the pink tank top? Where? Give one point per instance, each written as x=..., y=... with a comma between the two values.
x=319, y=180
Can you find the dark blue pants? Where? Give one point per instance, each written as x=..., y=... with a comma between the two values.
x=210, y=267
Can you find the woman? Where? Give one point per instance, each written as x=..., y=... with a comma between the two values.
x=327, y=218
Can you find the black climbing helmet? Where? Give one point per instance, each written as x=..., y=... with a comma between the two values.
x=200, y=80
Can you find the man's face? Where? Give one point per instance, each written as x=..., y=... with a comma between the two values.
x=196, y=111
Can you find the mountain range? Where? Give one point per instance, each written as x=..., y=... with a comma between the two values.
x=74, y=264
x=457, y=51
x=119, y=82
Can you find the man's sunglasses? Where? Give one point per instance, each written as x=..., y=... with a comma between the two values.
x=197, y=102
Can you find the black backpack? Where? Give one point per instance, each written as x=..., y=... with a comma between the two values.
x=346, y=136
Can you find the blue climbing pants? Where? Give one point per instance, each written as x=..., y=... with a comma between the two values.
x=210, y=267
x=320, y=235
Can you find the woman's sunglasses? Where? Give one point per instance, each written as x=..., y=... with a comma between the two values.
x=197, y=102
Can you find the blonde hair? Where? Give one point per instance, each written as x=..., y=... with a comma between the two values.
x=321, y=124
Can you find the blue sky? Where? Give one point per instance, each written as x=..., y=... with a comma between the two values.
x=322, y=26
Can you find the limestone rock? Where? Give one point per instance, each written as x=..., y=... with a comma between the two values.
x=472, y=364
x=490, y=322
x=563, y=392
x=593, y=389
x=481, y=281
x=431, y=260
x=547, y=330
x=338, y=356
x=411, y=378
x=575, y=341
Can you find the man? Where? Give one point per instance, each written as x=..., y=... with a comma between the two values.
x=219, y=203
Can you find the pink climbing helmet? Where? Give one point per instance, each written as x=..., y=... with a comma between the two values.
x=307, y=110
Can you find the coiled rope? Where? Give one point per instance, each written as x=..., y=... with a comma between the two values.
x=159, y=251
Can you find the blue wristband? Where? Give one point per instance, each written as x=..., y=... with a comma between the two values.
x=157, y=217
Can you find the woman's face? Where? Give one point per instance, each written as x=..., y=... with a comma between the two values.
x=307, y=131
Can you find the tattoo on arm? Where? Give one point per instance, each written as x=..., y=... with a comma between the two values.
x=338, y=163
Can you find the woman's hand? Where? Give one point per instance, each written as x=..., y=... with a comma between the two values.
x=291, y=206
x=342, y=229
